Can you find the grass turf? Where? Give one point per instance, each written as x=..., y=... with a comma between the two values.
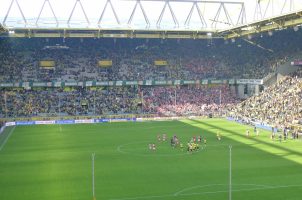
x=53, y=162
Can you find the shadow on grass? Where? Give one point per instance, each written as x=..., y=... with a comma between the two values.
x=289, y=151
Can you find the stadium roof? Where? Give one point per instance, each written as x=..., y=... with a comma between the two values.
x=140, y=18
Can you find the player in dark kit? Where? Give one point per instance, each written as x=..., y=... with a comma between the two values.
x=172, y=142
x=247, y=133
x=199, y=139
x=280, y=137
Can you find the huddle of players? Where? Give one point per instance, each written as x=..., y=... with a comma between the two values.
x=192, y=145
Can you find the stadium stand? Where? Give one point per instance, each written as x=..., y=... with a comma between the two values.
x=117, y=100
x=278, y=105
x=134, y=59
x=79, y=101
x=141, y=60
x=188, y=101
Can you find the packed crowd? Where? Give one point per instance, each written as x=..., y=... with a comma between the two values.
x=134, y=59
x=77, y=60
x=279, y=105
x=58, y=102
x=197, y=100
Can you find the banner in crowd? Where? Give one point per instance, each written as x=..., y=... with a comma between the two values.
x=160, y=62
x=20, y=123
x=69, y=121
x=105, y=63
x=47, y=64
x=129, y=83
x=250, y=81
x=297, y=63
x=66, y=121
x=45, y=122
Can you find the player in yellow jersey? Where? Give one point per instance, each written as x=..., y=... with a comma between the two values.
x=181, y=146
x=196, y=147
x=218, y=135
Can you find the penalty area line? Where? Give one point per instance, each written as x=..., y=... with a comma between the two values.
x=6, y=139
x=179, y=194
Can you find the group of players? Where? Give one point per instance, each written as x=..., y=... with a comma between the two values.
x=275, y=136
x=192, y=145
x=195, y=141
x=256, y=132
x=284, y=136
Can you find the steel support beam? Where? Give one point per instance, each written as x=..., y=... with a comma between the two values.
x=216, y=19
x=33, y=22
x=104, y=10
x=163, y=12
x=238, y=25
x=258, y=11
x=73, y=9
x=270, y=4
x=143, y=11
x=201, y=17
x=193, y=1
x=272, y=24
x=98, y=33
x=56, y=19
x=242, y=16
x=291, y=5
x=9, y=9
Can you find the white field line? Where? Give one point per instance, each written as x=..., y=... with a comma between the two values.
x=203, y=186
x=178, y=194
x=6, y=139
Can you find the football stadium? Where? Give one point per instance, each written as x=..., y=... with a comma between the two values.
x=150, y=100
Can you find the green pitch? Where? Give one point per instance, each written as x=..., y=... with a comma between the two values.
x=53, y=162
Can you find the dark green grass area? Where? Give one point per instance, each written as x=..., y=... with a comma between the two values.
x=53, y=162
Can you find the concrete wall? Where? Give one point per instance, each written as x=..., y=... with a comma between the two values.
x=286, y=69
x=245, y=91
